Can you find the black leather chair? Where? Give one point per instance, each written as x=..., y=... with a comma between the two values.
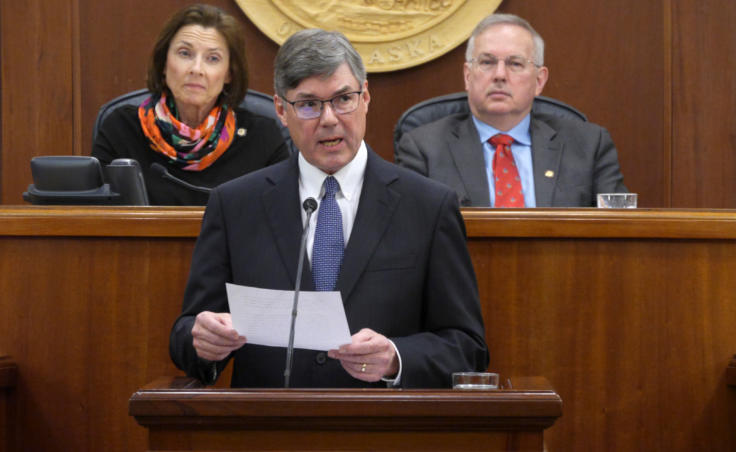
x=438, y=107
x=255, y=101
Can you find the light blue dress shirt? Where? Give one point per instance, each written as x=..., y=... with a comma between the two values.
x=522, y=151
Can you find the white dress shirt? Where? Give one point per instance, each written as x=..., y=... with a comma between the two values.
x=350, y=177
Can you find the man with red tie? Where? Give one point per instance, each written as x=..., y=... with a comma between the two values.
x=503, y=153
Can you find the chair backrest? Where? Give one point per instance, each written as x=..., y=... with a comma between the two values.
x=255, y=101
x=438, y=107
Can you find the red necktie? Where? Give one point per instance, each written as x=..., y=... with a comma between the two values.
x=505, y=174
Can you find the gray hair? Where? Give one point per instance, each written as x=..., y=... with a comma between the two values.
x=312, y=52
x=509, y=19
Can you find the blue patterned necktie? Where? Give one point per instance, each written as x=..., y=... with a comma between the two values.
x=328, y=239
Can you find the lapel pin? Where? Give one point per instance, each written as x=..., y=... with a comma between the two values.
x=549, y=173
x=241, y=132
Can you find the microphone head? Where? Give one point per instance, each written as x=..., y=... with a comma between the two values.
x=158, y=168
x=310, y=205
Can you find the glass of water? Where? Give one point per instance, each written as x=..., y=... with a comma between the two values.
x=474, y=380
x=617, y=200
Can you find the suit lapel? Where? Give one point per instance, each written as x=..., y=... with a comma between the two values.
x=283, y=213
x=467, y=153
x=375, y=210
x=546, y=157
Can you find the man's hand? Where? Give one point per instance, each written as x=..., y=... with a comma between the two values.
x=214, y=336
x=370, y=356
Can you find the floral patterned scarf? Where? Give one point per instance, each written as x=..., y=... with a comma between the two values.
x=189, y=149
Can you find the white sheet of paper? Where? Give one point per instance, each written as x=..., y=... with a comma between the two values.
x=263, y=316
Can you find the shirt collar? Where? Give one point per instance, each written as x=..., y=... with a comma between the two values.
x=350, y=176
x=520, y=132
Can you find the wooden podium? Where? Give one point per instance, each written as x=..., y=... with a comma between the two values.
x=180, y=415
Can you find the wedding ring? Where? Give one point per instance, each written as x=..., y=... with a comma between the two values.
x=362, y=368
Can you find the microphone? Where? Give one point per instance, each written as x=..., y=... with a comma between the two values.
x=309, y=205
x=163, y=172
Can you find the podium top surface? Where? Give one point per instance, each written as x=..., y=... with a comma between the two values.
x=530, y=401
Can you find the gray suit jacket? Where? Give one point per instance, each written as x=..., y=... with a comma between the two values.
x=406, y=274
x=572, y=160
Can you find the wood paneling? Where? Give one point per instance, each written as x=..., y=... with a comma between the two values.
x=36, y=74
x=655, y=73
x=704, y=103
x=624, y=329
x=89, y=336
x=629, y=315
x=8, y=378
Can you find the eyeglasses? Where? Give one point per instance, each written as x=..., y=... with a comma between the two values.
x=312, y=108
x=514, y=63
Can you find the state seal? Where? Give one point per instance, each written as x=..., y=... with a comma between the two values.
x=388, y=34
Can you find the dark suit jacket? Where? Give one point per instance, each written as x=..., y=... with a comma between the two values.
x=572, y=160
x=406, y=274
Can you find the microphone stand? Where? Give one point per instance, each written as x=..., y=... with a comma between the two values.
x=310, y=205
x=164, y=173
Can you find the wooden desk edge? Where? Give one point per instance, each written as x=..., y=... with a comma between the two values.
x=156, y=221
x=170, y=401
x=100, y=221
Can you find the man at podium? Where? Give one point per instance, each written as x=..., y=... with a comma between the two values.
x=391, y=241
